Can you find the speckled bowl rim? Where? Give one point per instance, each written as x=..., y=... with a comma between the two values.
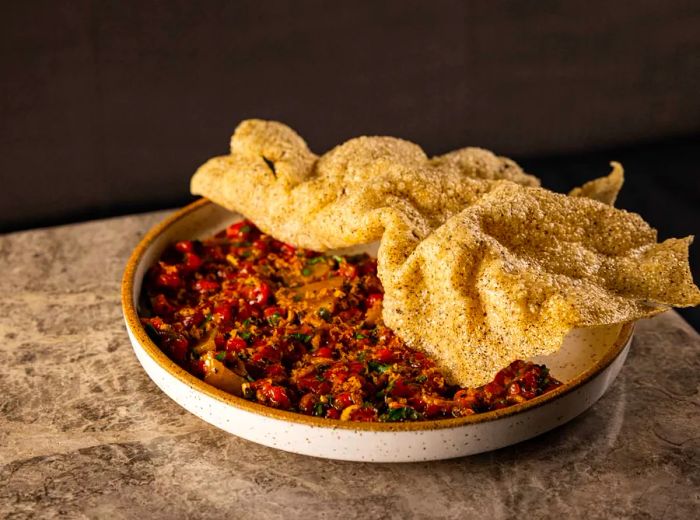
x=132, y=319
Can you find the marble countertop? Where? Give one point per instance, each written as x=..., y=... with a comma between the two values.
x=85, y=434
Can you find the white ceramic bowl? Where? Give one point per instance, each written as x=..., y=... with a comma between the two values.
x=587, y=364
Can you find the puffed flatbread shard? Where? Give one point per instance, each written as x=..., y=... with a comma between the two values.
x=480, y=266
x=604, y=189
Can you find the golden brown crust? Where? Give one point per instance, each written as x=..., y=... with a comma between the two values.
x=479, y=265
x=605, y=189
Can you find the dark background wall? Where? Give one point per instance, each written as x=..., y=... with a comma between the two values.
x=108, y=107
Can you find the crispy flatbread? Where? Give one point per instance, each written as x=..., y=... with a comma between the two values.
x=605, y=189
x=480, y=266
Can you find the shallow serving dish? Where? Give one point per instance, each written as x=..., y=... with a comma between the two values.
x=587, y=364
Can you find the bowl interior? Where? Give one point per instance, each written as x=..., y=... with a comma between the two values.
x=582, y=348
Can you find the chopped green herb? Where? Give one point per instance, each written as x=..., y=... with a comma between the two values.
x=244, y=335
x=338, y=259
x=400, y=414
x=220, y=356
x=325, y=314
x=421, y=378
x=376, y=366
x=274, y=319
x=359, y=335
x=318, y=409
x=316, y=259
x=246, y=322
x=304, y=338
x=361, y=356
x=245, y=229
x=320, y=378
x=306, y=271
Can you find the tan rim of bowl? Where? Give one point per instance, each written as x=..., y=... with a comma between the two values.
x=131, y=316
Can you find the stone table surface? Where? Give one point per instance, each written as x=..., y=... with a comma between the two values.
x=84, y=433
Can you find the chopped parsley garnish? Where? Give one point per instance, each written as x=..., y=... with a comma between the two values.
x=325, y=314
x=404, y=413
x=315, y=260
x=306, y=271
x=220, y=356
x=244, y=335
x=376, y=366
x=274, y=319
x=304, y=338
x=359, y=335
x=318, y=409
x=421, y=378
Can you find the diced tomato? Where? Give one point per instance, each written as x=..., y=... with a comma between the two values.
x=369, y=267
x=433, y=410
x=324, y=352
x=179, y=346
x=355, y=367
x=492, y=388
x=235, y=344
x=288, y=250
x=347, y=270
x=239, y=231
x=307, y=402
x=258, y=294
x=342, y=400
x=313, y=384
x=192, y=262
x=374, y=299
x=223, y=310
x=401, y=389
x=246, y=268
x=260, y=245
x=278, y=397
x=198, y=367
x=268, y=354
x=332, y=413
x=170, y=278
x=204, y=285
x=184, y=246
x=275, y=371
x=271, y=311
x=191, y=317
x=384, y=355
x=161, y=305
x=364, y=414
